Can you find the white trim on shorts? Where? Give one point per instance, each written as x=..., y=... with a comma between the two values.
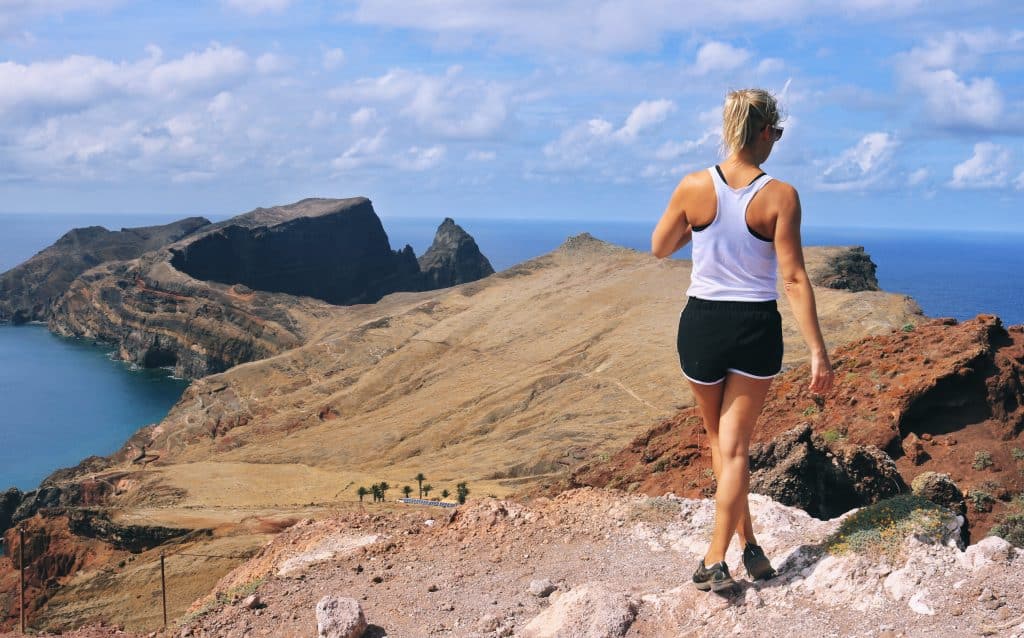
x=752, y=376
x=689, y=378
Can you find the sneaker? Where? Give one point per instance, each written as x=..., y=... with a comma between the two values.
x=756, y=563
x=715, y=578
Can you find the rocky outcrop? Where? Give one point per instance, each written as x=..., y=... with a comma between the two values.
x=28, y=290
x=243, y=289
x=952, y=390
x=9, y=502
x=845, y=268
x=453, y=258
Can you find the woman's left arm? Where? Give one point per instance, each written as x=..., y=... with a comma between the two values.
x=673, y=231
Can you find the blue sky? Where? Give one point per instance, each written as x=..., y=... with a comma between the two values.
x=902, y=113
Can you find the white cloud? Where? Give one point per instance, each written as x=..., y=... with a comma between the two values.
x=271, y=63
x=420, y=159
x=322, y=118
x=481, y=156
x=448, y=105
x=222, y=103
x=362, y=117
x=936, y=72
x=673, y=150
x=771, y=65
x=365, y=150
x=332, y=59
x=79, y=81
x=597, y=25
x=644, y=116
x=719, y=56
x=254, y=7
x=860, y=166
x=1019, y=182
x=988, y=167
x=917, y=177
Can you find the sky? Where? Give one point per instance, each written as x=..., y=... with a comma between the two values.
x=900, y=113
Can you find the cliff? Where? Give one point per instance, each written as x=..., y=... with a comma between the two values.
x=27, y=290
x=935, y=396
x=246, y=288
x=453, y=258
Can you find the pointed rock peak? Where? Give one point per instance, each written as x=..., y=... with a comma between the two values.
x=453, y=258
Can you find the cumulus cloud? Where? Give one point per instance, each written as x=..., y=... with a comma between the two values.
x=574, y=146
x=375, y=151
x=332, y=59
x=644, y=116
x=271, y=63
x=938, y=71
x=719, y=56
x=254, y=7
x=917, y=177
x=1019, y=182
x=362, y=117
x=599, y=25
x=481, y=156
x=674, y=150
x=449, y=105
x=861, y=166
x=988, y=167
x=79, y=81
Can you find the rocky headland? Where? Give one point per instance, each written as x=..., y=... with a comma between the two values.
x=251, y=286
x=28, y=291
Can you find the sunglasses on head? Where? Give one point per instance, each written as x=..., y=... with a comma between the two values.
x=776, y=131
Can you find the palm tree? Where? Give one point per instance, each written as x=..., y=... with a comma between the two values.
x=419, y=478
x=426, y=489
x=384, y=487
x=406, y=490
x=463, y=491
x=375, y=488
x=362, y=491
x=445, y=493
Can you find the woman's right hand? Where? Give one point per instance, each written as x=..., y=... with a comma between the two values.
x=821, y=373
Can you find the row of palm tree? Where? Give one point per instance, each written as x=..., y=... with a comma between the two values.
x=379, y=490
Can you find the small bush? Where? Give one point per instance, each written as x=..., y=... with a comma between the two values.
x=908, y=327
x=1018, y=454
x=660, y=465
x=981, y=501
x=1011, y=529
x=982, y=460
x=811, y=409
x=831, y=436
x=881, y=528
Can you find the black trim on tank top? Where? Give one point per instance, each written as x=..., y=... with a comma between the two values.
x=757, y=234
x=722, y=175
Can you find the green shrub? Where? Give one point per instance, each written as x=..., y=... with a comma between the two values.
x=1018, y=454
x=908, y=327
x=811, y=409
x=1011, y=529
x=982, y=460
x=881, y=528
x=831, y=436
x=981, y=500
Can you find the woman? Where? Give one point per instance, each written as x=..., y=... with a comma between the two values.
x=744, y=226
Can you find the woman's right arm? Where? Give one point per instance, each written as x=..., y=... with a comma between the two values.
x=673, y=231
x=798, y=289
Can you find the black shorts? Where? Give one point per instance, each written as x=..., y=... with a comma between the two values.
x=717, y=337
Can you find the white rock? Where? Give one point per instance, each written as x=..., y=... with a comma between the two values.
x=328, y=549
x=900, y=584
x=990, y=549
x=339, y=617
x=919, y=603
x=590, y=610
x=542, y=588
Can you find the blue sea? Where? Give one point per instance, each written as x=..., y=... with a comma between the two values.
x=65, y=399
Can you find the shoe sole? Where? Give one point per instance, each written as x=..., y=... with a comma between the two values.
x=725, y=584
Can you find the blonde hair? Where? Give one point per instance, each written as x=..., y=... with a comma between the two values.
x=746, y=113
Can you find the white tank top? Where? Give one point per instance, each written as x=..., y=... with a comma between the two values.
x=730, y=263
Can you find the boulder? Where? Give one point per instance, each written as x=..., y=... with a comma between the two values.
x=913, y=449
x=591, y=610
x=542, y=588
x=9, y=502
x=940, y=489
x=339, y=617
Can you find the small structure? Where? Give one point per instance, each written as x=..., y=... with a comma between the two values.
x=423, y=501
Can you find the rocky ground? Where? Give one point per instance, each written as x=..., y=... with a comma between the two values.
x=615, y=565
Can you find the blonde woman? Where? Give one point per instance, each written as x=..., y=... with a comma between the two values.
x=745, y=226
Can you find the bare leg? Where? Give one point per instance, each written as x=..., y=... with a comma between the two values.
x=742, y=399
x=709, y=400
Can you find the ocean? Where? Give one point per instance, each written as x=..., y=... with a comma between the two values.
x=65, y=399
